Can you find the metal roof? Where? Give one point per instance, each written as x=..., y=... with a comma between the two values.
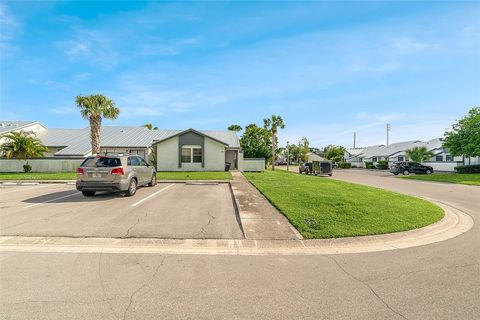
x=9, y=125
x=396, y=148
x=77, y=141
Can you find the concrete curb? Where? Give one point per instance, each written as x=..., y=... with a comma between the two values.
x=452, y=225
x=33, y=182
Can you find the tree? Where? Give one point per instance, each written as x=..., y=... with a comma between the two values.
x=255, y=142
x=93, y=108
x=464, y=138
x=419, y=154
x=22, y=145
x=334, y=153
x=304, y=148
x=235, y=127
x=272, y=125
x=149, y=126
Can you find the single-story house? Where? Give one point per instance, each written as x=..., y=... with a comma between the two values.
x=311, y=156
x=441, y=160
x=175, y=150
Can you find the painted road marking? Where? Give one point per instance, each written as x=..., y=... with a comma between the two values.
x=51, y=200
x=153, y=194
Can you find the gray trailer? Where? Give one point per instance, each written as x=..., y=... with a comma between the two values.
x=322, y=168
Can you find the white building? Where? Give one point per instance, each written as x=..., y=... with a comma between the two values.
x=441, y=160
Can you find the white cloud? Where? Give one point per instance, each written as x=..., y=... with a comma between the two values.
x=9, y=27
x=62, y=110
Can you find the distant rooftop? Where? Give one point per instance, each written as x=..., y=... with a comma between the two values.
x=9, y=125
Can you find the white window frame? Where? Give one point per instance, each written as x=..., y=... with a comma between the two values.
x=191, y=147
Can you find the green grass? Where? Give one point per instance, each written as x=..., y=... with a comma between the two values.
x=221, y=175
x=320, y=207
x=39, y=176
x=462, y=178
x=195, y=175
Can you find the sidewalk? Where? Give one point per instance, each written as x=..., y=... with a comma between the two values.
x=260, y=220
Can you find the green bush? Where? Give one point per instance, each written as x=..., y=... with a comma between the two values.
x=27, y=168
x=474, y=168
x=382, y=164
x=344, y=165
x=369, y=165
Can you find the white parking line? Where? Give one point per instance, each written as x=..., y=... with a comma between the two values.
x=51, y=200
x=153, y=194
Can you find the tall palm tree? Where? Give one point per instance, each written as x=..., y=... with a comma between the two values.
x=93, y=108
x=272, y=124
x=419, y=154
x=22, y=145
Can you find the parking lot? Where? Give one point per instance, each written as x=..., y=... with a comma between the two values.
x=168, y=210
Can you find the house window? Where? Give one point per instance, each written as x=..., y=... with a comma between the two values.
x=374, y=159
x=448, y=157
x=191, y=154
x=439, y=158
x=400, y=158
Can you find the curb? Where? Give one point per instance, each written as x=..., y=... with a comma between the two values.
x=454, y=223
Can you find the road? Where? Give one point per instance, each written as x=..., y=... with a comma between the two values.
x=437, y=281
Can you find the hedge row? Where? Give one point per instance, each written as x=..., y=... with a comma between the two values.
x=344, y=165
x=475, y=168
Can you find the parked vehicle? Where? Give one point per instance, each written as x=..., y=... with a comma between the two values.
x=407, y=167
x=322, y=168
x=305, y=168
x=114, y=173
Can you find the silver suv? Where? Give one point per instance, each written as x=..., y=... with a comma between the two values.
x=114, y=173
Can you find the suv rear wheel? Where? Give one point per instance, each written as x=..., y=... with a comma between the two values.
x=406, y=172
x=88, y=193
x=153, y=182
x=428, y=171
x=132, y=188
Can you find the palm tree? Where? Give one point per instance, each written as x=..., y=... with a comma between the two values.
x=235, y=127
x=419, y=154
x=22, y=145
x=149, y=126
x=93, y=108
x=272, y=124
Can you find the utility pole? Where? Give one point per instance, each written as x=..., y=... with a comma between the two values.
x=288, y=155
x=354, y=139
x=388, y=131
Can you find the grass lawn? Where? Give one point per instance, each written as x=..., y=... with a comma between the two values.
x=196, y=175
x=221, y=175
x=39, y=176
x=320, y=207
x=462, y=178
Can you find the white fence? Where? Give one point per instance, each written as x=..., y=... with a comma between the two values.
x=41, y=165
x=442, y=166
x=253, y=165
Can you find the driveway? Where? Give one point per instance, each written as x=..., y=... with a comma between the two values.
x=170, y=210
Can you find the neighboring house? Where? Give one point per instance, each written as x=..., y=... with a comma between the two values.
x=15, y=126
x=441, y=160
x=176, y=150
x=310, y=156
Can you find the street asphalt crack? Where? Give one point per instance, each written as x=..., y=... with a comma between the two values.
x=152, y=278
x=100, y=278
x=368, y=286
x=127, y=235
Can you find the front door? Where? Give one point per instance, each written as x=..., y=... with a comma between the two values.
x=231, y=157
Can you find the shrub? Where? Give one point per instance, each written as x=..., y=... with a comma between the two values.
x=474, y=168
x=27, y=168
x=344, y=165
x=382, y=164
x=369, y=165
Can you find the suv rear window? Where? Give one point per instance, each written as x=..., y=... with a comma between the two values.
x=101, y=162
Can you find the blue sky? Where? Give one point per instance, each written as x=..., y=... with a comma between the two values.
x=329, y=68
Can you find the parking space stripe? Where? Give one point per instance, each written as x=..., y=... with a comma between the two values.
x=51, y=200
x=153, y=194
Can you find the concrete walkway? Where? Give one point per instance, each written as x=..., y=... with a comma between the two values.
x=260, y=220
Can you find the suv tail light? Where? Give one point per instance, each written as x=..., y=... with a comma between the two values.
x=118, y=171
x=80, y=171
